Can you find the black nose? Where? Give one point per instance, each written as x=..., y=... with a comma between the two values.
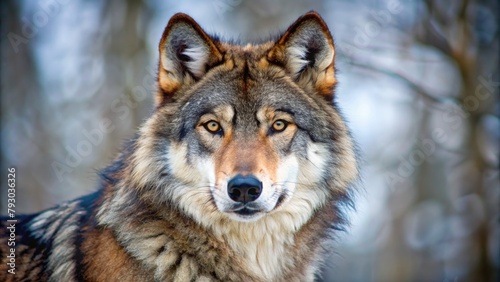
x=244, y=189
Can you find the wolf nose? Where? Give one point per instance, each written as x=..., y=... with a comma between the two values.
x=244, y=189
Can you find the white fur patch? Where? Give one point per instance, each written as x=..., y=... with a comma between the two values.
x=312, y=169
x=196, y=65
x=262, y=243
x=326, y=58
x=202, y=172
x=296, y=61
x=38, y=223
x=199, y=178
x=199, y=57
x=164, y=262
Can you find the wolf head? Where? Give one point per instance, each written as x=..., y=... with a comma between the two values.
x=242, y=133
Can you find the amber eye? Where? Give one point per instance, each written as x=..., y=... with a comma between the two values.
x=279, y=125
x=212, y=127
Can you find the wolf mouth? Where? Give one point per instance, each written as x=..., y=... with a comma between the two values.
x=246, y=211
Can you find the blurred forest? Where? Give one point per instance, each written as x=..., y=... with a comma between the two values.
x=419, y=85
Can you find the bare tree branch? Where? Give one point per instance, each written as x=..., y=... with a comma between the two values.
x=415, y=86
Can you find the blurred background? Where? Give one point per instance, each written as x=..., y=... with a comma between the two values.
x=419, y=86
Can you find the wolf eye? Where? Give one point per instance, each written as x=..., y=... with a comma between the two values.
x=213, y=127
x=279, y=125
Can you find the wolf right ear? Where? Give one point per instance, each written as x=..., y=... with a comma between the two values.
x=307, y=53
x=186, y=53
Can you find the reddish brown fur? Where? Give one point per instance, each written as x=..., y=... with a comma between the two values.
x=247, y=159
x=106, y=259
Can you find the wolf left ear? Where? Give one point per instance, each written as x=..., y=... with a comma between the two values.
x=307, y=52
x=186, y=53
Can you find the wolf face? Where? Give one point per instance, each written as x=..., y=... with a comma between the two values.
x=246, y=131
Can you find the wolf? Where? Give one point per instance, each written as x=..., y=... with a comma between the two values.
x=240, y=174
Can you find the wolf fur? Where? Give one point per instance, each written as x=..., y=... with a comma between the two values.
x=163, y=212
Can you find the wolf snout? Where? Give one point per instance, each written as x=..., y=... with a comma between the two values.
x=244, y=189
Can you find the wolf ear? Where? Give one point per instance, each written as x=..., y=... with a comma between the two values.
x=307, y=53
x=186, y=53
